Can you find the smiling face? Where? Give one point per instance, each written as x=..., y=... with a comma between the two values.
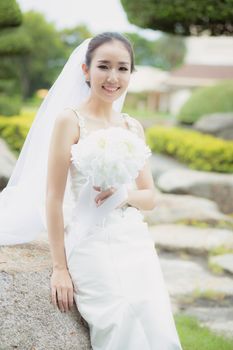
x=109, y=72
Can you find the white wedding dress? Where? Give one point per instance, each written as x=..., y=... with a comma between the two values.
x=118, y=283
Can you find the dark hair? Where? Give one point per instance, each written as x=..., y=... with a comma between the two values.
x=105, y=37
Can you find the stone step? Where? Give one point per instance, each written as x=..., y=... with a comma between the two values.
x=195, y=240
x=212, y=185
x=188, y=278
x=175, y=208
x=224, y=261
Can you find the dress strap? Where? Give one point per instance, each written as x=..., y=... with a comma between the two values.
x=81, y=122
x=131, y=123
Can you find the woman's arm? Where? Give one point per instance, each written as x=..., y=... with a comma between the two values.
x=64, y=134
x=58, y=165
x=144, y=197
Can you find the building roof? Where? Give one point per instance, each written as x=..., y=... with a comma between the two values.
x=203, y=71
x=193, y=75
x=147, y=78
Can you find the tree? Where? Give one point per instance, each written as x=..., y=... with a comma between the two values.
x=184, y=17
x=166, y=53
x=10, y=14
x=39, y=67
x=72, y=37
x=144, y=49
x=13, y=43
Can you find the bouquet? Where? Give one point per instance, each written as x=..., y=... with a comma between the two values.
x=110, y=157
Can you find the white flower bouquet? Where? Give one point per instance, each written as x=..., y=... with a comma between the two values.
x=110, y=157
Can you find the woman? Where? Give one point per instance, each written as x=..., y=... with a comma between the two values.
x=113, y=272
x=108, y=277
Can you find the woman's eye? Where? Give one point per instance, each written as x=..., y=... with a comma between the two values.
x=103, y=67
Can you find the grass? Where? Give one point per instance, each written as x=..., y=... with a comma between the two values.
x=198, y=296
x=216, y=269
x=221, y=224
x=208, y=294
x=140, y=113
x=194, y=336
x=147, y=114
x=219, y=250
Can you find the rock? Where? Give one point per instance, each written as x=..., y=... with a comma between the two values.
x=215, y=186
x=171, y=208
x=217, y=124
x=225, y=261
x=7, y=163
x=190, y=239
x=184, y=278
x=160, y=163
x=28, y=318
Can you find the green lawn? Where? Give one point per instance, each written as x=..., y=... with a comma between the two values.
x=195, y=337
x=147, y=114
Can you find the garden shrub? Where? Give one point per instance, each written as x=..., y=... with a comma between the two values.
x=198, y=151
x=207, y=100
x=10, y=105
x=14, y=130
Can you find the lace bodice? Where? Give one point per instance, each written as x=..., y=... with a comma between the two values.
x=76, y=176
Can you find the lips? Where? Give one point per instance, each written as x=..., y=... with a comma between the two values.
x=110, y=88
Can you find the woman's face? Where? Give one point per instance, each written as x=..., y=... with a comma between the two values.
x=109, y=72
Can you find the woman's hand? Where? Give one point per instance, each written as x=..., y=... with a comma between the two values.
x=62, y=289
x=103, y=195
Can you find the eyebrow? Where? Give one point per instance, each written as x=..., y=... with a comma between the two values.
x=106, y=61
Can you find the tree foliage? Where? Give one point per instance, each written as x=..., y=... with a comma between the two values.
x=72, y=37
x=10, y=14
x=13, y=43
x=39, y=67
x=166, y=52
x=184, y=17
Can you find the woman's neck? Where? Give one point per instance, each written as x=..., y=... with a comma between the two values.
x=94, y=111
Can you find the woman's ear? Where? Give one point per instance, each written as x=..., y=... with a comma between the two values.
x=85, y=71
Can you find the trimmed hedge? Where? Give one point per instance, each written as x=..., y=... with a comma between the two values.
x=207, y=100
x=198, y=151
x=10, y=14
x=14, y=41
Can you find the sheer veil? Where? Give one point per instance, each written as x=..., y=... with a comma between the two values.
x=22, y=201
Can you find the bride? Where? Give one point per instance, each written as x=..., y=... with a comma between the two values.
x=108, y=265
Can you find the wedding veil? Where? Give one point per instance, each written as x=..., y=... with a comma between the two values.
x=22, y=201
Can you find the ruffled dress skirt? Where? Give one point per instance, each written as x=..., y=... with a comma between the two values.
x=119, y=287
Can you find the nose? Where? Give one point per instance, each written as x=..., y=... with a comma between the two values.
x=112, y=76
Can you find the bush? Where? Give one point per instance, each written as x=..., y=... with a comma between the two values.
x=207, y=100
x=200, y=152
x=15, y=129
x=10, y=105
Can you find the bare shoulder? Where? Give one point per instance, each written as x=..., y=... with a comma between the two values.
x=67, y=121
x=138, y=126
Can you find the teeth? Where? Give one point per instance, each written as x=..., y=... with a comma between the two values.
x=109, y=89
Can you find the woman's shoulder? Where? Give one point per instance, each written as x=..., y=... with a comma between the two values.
x=136, y=124
x=67, y=115
x=67, y=120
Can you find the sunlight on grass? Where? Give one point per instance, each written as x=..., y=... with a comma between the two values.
x=146, y=113
x=193, y=336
